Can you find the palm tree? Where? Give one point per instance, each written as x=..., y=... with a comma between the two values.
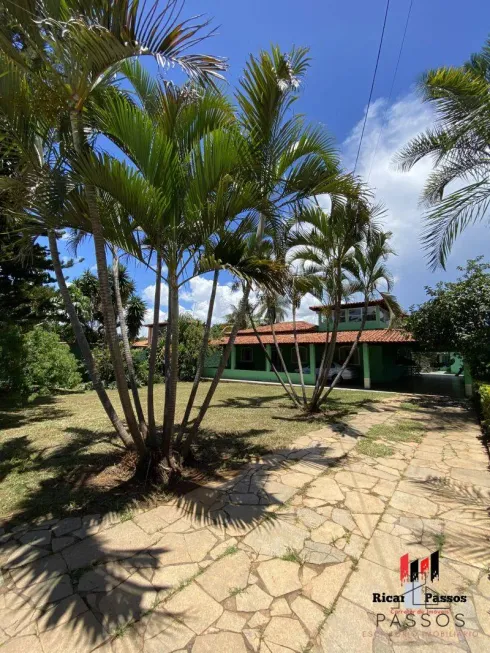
x=73, y=48
x=180, y=189
x=368, y=271
x=271, y=308
x=35, y=196
x=458, y=146
x=286, y=160
x=323, y=245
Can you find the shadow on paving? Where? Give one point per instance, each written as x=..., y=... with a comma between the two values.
x=109, y=573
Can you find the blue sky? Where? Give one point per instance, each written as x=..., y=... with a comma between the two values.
x=343, y=39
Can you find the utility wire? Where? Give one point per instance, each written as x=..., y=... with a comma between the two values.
x=372, y=83
x=391, y=89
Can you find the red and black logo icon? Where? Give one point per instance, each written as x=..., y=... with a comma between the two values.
x=411, y=571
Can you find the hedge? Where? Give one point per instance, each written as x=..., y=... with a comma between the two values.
x=483, y=395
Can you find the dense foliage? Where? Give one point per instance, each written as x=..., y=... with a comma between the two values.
x=35, y=361
x=457, y=191
x=457, y=318
x=105, y=368
x=49, y=364
x=191, y=333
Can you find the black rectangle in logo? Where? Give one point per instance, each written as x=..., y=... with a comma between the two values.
x=434, y=565
x=414, y=571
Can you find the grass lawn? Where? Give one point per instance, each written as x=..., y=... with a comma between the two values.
x=58, y=455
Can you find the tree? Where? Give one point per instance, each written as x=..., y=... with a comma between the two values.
x=456, y=317
x=77, y=47
x=287, y=160
x=323, y=245
x=26, y=298
x=458, y=146
x=49, y=363
x=271, y=307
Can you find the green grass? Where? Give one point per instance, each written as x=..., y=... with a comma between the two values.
x=410, y=405
x=402, y=431
x=374, y=449
x=292, y=555
x=59, y=455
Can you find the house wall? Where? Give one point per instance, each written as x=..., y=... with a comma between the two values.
x=325, y=323
x=383, y=363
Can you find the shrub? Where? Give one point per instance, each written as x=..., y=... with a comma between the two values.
x=104, y=366
x=191, y=332
x=483, y=394
x=12, y=360
x=49, y=363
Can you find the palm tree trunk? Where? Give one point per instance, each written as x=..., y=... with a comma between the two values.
x=351, y=353
x=293, y=397
x=283, y=365
x=173, y=371
x=152, y=433
x=298, y=357
x=84, y=346
x=126, y=347
x=222, y=365
x=105, y=295
x=228, y=347
x=201, y=359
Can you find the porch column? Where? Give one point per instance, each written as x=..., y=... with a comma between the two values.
x=312, y=359
x=268, y=358
x=365, y=365
x=233, y=358
x=468, y=381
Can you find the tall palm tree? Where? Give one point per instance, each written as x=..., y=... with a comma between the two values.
x=179, y=190
x=271, y=308
x=323, y=245
x=459, y=146
x=286, y=159
x=37, y=195
x=370, y=276
x=72, y=49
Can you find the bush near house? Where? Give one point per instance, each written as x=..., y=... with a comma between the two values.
x=482, y=394
x=36, y=361
x=49, y=362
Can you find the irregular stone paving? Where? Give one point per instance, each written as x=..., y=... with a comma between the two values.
x=284, y=557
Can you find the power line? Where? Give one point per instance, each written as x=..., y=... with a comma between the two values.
x=372, y=83
x=392, y=87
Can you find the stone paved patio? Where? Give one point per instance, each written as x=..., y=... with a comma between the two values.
x=284, y=557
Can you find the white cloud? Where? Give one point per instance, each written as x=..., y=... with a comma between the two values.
x=388, y=129
x=149, y=295
x=198, y=292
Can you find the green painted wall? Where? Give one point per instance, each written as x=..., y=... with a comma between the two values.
x=255, y=375
x=378, y=323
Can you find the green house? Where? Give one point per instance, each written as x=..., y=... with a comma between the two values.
x=382, y=356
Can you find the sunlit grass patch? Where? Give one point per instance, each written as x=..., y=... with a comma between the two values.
x=403, y=431
x=369, y=447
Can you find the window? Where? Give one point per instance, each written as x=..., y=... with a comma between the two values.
x=343, y=352
x=384, y=315
x=355, y=314
x=246, y=355
x=303, y=354
x=343, y=315
x=371, y=314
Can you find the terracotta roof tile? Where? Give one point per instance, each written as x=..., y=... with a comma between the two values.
x=318, y=337
x=281, y=327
